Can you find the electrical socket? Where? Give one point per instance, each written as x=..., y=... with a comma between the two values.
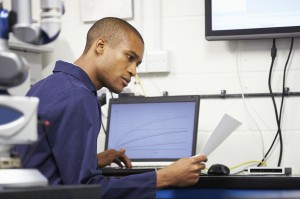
x=157, y=61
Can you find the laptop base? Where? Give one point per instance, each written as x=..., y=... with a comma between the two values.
x=110, y=171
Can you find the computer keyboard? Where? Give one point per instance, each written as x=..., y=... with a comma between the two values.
x=110, y=171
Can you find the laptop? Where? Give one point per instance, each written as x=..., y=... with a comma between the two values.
x=155, y=131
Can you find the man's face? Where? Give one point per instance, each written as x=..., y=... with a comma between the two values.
x=118, y=64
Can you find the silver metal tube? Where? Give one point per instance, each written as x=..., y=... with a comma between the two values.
x=23, y=10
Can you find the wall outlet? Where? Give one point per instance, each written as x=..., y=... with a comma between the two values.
x=157, y=61
x=154, y=61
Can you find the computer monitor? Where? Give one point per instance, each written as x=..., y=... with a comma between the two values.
x=251, y=19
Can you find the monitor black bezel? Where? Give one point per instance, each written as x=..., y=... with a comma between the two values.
x=240, y=34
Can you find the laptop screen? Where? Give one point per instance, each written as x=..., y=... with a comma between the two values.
x=153, y=128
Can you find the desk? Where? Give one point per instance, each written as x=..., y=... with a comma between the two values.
x=53, y=192
x=237, y=187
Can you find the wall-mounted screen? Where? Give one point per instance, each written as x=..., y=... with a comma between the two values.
x=251, y=19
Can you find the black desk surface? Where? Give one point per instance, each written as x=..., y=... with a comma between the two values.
x=52, y=192
x=249, y=182
x=234, y=181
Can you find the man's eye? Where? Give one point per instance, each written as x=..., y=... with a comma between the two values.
x=130, y=57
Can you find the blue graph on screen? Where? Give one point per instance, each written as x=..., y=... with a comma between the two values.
x=153, y=129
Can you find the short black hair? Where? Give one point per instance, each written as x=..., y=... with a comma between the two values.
x=110, y=28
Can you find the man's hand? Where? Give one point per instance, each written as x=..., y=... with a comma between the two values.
x=107, y=157
x=183, y=172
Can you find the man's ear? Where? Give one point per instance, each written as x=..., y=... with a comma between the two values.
x=100, y=46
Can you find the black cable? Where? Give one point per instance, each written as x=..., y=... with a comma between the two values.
x=273, y=54
x=102, y=102
x=282, y=98
x=102, y=125
x=284, y=76
x=104, y=130
x=111, y=94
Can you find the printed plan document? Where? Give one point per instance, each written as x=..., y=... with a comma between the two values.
x=225, y=127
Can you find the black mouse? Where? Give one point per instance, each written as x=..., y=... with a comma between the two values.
x=218, y=170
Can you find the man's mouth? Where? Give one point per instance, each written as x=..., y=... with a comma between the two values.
x=126, y=81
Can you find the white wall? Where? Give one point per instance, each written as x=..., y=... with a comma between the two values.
x=202, y=67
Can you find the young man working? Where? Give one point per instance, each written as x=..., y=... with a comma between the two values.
x=66, y=152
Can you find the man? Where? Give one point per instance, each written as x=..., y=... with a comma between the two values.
x=66, y=152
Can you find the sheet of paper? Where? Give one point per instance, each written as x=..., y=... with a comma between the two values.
x=225, y=127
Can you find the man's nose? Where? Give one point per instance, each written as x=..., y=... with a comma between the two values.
x=132, y=69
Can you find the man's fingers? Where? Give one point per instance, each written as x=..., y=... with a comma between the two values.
x=121, y=159
x=118, y=162
x=200, y=158
x=122, y=151
x=127, y=161
x=118, y=154
x=202, y=166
